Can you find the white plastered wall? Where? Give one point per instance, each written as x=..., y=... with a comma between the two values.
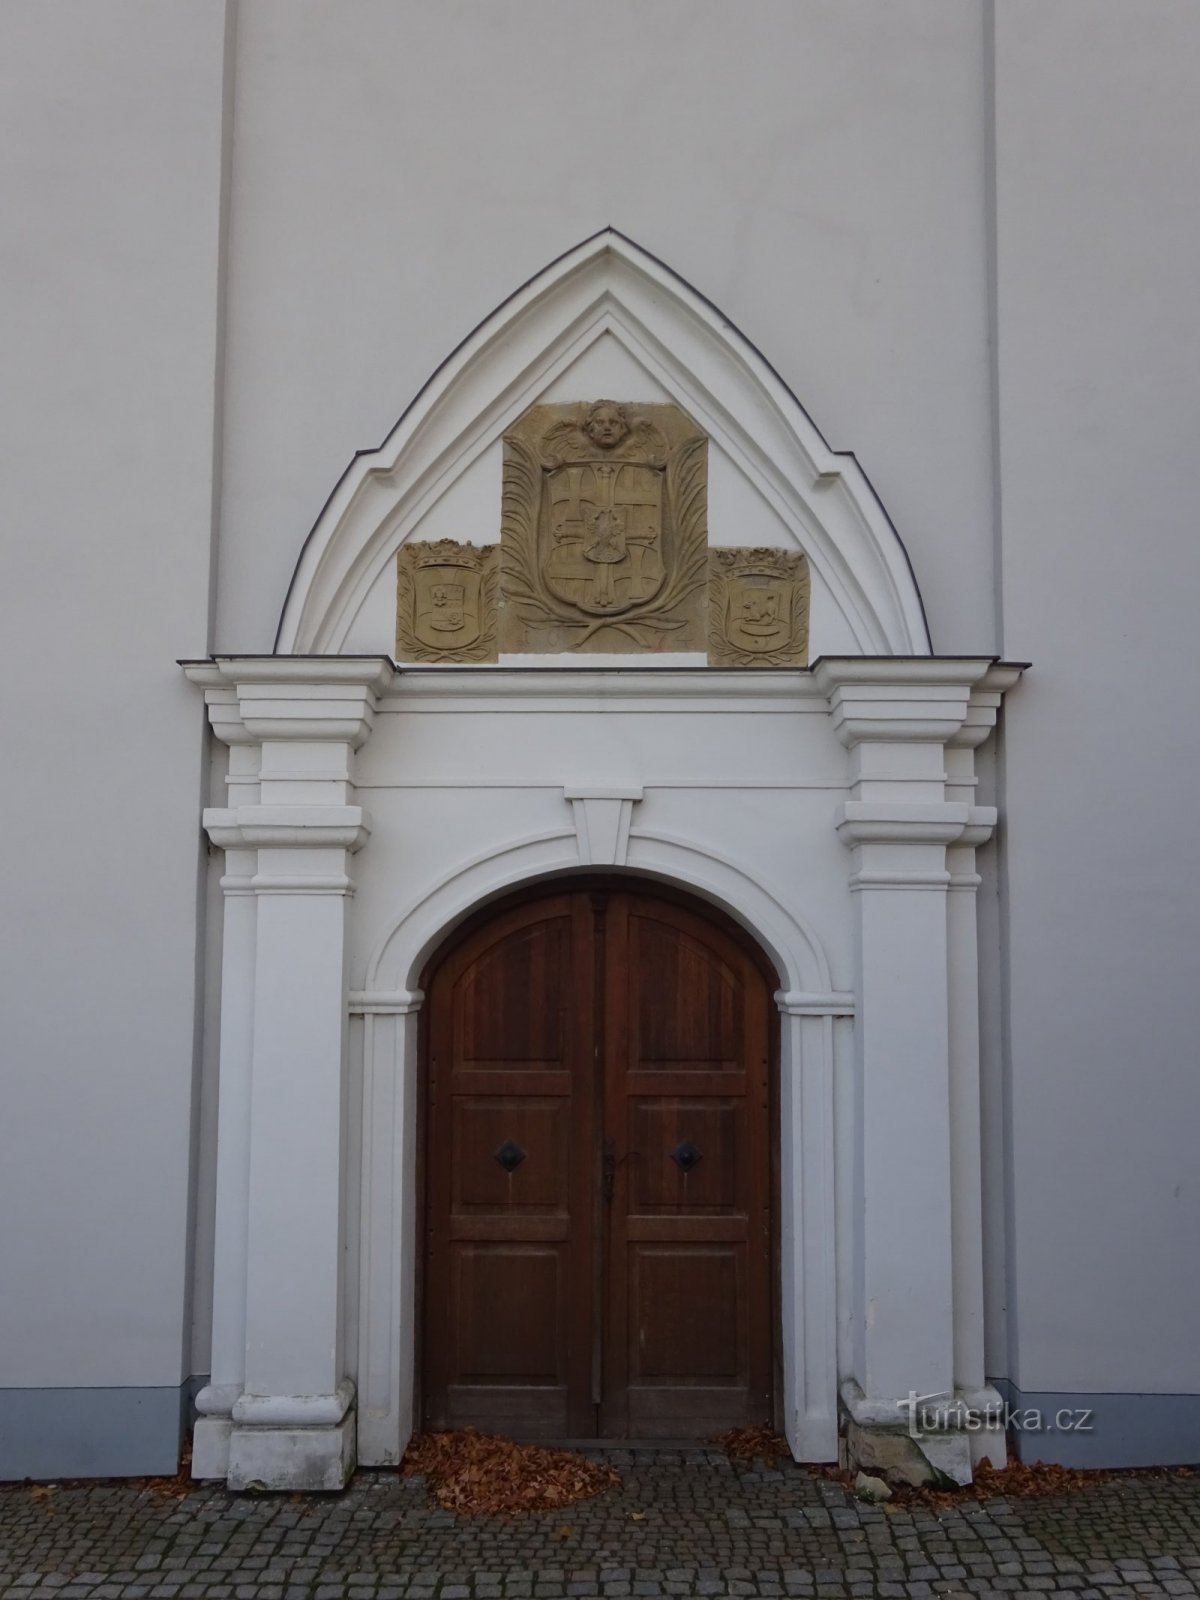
x=1097, y=123
x=111, y=149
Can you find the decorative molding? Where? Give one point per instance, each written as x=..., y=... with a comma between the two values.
x=867, y=822
x=758, y=602
x=798, y=1003
x=699, y=691
x=295, y=1410
x=603, y=529
x=385, y=1002
x=446, y=602
x=282, y=698
x=602, y=817
x=608, y=288
x=921, y=699
x=312, y=826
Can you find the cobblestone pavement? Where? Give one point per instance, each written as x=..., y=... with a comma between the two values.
x=682, y=1524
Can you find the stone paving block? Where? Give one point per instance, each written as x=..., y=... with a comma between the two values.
x=705, y=1527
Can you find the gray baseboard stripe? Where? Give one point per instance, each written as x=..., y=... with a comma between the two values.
x=92, y=1433
x=1122, y=1430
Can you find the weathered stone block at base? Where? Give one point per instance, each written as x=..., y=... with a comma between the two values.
x=310, y=1459
x=933, y=1458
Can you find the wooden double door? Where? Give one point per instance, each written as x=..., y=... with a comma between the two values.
x=598, y=1177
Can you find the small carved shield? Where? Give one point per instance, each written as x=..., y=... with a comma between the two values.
x=446, y=613
x=759, y=615
x=758, y=608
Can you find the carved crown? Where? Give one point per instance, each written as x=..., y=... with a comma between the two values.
x=785, y=563
x=448, y=553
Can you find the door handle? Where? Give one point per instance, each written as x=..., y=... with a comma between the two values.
x=610, y=1161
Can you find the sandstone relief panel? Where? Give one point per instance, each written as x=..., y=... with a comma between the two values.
x=446, y=602
x=758, y=608
x=604, y=530
x=603, y=549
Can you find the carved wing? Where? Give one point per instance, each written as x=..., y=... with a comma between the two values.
x=561, y=442
x=645, y=443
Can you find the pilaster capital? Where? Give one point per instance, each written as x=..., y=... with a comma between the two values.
x=899, y=698
x=257, y=698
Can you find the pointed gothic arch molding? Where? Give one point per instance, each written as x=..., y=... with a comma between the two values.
x=608, y=286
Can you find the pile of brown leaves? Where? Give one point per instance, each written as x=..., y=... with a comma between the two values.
x=754, y=1444
x=481, y=1474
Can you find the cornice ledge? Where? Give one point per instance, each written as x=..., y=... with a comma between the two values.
x=923, y=699
x=365, y=672
x=524, y=684
x=831, y=672
x=983, y=707
x=869, y=822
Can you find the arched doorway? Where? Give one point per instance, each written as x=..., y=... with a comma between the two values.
x=599, y=1169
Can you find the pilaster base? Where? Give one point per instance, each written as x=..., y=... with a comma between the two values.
x=210, y=1447
x=921, y=1439
x=293, y=1458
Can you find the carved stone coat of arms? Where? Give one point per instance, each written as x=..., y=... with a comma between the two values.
x=445, y=602
x=603, y=532
x=758, y=608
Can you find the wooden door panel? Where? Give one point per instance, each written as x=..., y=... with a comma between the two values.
x=508, y=1283
x=688, y=1308
x=514, y=1001
x=539, y=1131
x=685, y=1304
x=687, y=1001
x=496, y=1340
x=709, y=1133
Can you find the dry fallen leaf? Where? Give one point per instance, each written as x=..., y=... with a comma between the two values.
x=637, y=1516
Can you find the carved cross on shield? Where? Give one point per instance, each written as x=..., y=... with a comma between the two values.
x=605, y=528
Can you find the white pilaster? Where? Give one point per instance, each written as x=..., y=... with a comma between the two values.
x=916, y=989
x=291, y=1423
x=970, y=1378
x=214, y=1403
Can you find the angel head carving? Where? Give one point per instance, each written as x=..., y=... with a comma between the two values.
x=606, y=424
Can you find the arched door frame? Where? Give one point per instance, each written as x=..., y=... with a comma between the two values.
x=387, y=1045
x=585, y=881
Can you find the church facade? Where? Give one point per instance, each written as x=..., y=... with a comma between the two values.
x=639, y=907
